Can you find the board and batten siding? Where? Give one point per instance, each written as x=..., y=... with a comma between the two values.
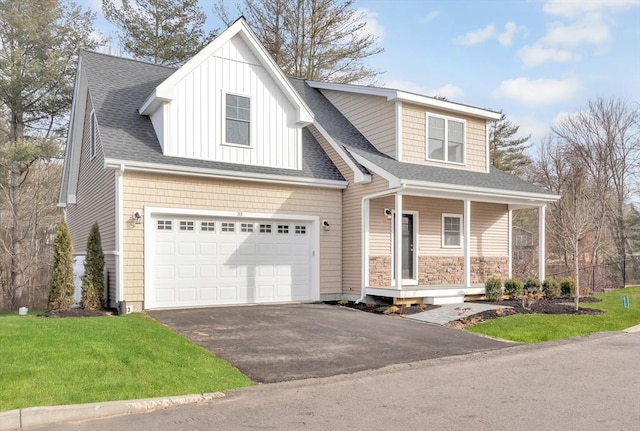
x=489, y=227
x=351, y=218
x=161, y=190
x=95, y=203
x=414, y=138
x=373, y=116
x=191, y=125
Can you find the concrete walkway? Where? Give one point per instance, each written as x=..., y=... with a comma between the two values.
x=450, y=312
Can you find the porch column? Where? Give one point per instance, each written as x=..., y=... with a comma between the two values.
x=541, y=242
x=510, y=245
x=397, y=226
x=466, y=218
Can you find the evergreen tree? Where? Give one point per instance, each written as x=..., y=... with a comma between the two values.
x=167, y=32
x=93, y=280
x=508, y=150
x=322, y=40
x=62, y=287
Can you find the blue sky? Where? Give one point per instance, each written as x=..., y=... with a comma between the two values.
x=537, y=60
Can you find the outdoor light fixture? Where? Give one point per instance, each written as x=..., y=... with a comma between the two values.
x=325, y=224
x=136, y=217
x=387, y=212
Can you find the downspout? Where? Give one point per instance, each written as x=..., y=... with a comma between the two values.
x=364, y=237
x=119, y=237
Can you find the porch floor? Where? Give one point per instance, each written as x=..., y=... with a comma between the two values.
x=432, y=294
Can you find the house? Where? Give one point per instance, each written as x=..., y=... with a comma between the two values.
x=524, y=252
x=225, y=182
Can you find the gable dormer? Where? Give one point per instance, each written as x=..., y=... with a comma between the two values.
x=414, y=128
x=230, y=103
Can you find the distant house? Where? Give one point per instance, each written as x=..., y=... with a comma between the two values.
x=225, y=182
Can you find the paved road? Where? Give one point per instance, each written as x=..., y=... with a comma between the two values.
x=589, y=384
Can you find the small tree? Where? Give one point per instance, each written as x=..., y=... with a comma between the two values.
x=93, y=280
x=61, y=293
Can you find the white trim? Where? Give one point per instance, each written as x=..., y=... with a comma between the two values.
x=119, y=248
x=398, y=130
x=223, y=126
x=164, y=93
x=487, y=147
x=541, y=242
x=153, y=212
x=446, y=120
x=461, y=235
x=416, y=248
x=358, y=176
x=393, y=95
x=394, y=182
x=466, y=218
x=509, y=242
x=230, y=175
x=93, y=145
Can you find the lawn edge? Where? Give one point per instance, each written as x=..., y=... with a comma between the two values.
x=46, y=415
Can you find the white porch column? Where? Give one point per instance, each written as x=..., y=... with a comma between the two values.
x=510, y=246
x=466, y=218
x=397, y=227
x=541, y=242
x=365, y=245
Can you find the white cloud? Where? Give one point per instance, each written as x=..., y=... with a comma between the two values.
x=372, y=25
x=506, y=37
x=591, y=30
x=572, y=9
x=432, y=15
x=535, y=55
x=477, y=36
x=537, y=91
x=530, y=125
x=450, y=91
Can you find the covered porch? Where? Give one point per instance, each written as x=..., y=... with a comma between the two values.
x=449, y=242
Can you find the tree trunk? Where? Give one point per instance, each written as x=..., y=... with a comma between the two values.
x=576, y=264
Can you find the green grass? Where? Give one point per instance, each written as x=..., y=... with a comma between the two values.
x=536, y=328
x=54, y=361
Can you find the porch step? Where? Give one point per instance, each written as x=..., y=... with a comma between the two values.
x=440, y=300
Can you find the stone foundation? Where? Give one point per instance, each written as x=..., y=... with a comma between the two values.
x=380, y=271
x=441, y=270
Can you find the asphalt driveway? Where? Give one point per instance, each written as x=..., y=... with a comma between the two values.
x=274, y=343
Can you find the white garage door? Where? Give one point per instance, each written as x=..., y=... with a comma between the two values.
x=216, y=261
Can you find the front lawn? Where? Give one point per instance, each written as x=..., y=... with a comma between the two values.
x=536, y=328
x=53, y=361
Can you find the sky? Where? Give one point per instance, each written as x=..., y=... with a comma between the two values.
x=536, y=60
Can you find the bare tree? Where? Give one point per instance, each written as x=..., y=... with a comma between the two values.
x=323, y=40
x=605, y=137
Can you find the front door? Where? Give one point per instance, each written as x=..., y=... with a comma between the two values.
x=407, y=247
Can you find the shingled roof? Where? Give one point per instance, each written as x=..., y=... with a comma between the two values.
x=345, y=133
x=119, y=86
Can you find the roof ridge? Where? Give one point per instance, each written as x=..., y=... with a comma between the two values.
x=134, y=60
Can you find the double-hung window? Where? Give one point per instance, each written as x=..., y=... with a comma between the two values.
x=445, y=139
x=237, y=119
x=451, y=230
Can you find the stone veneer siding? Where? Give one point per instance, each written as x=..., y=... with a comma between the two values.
x=441, y=270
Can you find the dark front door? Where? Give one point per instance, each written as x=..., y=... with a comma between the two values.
x=407, y=247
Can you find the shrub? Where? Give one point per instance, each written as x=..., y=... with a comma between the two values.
x=93, y=280
x=551, y=288
x=62, y=287
x=533, y=286
x=568, y=286
x=514, y=288
x=493, y=289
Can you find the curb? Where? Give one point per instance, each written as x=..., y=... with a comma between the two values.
x=632, y=329
x=34, y=416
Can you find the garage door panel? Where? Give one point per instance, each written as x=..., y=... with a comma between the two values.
x=248, y=262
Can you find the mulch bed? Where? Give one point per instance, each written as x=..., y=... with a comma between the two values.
x=77, y=312
x=542, y=306
x=380, y=308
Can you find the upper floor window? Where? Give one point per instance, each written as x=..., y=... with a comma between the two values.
x=92, y=134
x=237, y=119
x=445, y=139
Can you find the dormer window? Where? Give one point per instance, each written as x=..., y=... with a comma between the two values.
x=445, y=139
x=237, y=120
